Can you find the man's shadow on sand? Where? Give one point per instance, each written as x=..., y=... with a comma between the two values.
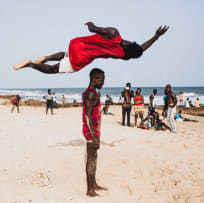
x=80, y=143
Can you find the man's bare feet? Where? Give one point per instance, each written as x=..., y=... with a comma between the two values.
x=20, y=65
x=40, y=60
x=92, y=193
x=97, y=188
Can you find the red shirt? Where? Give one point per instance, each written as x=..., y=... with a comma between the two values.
x=14, y=100
x=83, y=50
x=138, y=99
x=95, y=117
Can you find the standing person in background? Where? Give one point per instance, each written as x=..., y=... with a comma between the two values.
x=165, y=108
x=171, y=101
x=54, y=100
x=63, y=100
x=197, y=103
x=181, y=99
x=127, y=95
x=187, y=104
x=139, y=106
x=153, y=101
x=49, y=101
x=15, y=103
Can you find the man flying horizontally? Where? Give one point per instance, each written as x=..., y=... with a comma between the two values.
x=106, y=43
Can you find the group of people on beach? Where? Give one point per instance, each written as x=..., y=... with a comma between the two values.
x=188, y=103
x=152, y=118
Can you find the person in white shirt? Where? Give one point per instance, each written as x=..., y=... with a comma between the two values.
x=187, y=105
x=49, y=101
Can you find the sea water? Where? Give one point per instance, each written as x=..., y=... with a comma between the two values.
x=115, y=92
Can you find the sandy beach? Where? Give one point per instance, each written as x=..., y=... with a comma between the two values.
x=43, y=159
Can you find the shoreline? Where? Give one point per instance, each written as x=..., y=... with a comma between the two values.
x=5, y=100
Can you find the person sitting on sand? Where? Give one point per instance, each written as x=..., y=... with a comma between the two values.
x=190, y=103
x=153, y=121
x=179, y=117
x=15, y=103
x=91, y=127
x=106, y=43
x=108, y=101
x=159, y=124
x=150, y=118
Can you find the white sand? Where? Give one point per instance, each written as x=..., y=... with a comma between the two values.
x=43, y=160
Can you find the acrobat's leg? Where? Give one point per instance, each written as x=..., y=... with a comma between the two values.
x=41, y=60
x=45, y=68
x=54, y=57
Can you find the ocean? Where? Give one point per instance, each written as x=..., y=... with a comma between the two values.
x=76, y=93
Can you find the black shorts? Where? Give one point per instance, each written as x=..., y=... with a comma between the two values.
x=49, y=104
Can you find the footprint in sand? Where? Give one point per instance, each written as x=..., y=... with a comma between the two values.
x=38, y=178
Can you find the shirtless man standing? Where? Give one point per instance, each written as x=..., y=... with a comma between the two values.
x=171, y=101
x=91, y=127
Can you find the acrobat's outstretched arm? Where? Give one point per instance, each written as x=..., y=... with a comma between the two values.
x=108, y=32
x=159, y=32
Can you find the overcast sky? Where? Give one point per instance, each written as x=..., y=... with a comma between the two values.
x=30, y=29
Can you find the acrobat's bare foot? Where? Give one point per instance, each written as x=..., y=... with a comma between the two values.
x=97, y=188
x=20, y=65
x=40, y=60
x=92, y=193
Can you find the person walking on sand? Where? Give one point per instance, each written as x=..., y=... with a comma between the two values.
x=91, y=127
x=15, y=103
x=105, y=43
x=171, y=101
x=49, y=101
x=127, y=95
